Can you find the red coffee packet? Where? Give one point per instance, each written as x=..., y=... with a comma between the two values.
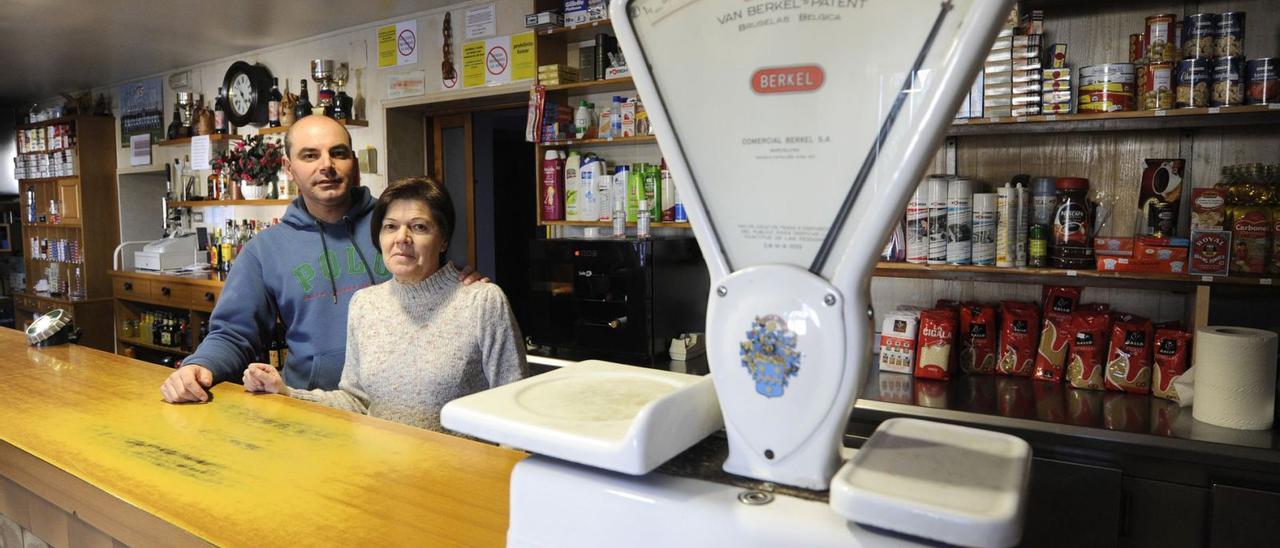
x=1129, y=360
x=933, y=353
x=1086, y=359
x=1018, y=334
x=1171, y=351
x=978, y=338
x=1051, y=353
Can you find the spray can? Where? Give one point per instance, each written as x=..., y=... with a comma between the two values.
x=959, y=221
x=938, y=188
x=918, y=225
x=984, y=229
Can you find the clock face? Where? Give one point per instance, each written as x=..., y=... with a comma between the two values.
x=241, y=94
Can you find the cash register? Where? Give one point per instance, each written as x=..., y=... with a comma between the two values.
x=174, y=252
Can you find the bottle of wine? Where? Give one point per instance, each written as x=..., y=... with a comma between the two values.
x=303, y=108
x=278, y=349
x=220, y=113
x=273, y=105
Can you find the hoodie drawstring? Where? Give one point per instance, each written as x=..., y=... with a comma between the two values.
x=352, y=234
x=327, y=266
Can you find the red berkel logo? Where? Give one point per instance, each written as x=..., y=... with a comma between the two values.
x=787, y=79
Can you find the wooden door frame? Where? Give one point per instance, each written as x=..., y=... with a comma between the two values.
x=438, y=124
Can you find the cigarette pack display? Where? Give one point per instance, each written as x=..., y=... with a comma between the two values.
x=1025, y=99
x=1059, y=108
x=1056, y=97
x=997, y=101
x=993, y=90
x=1028, y=64
x=545, y=19
x=1056, y=85
x=996, y=112
x=1055, y=73
x=1058, y=56
x=995, y=78
x=1025, y=110
x=1025, y=52
x=1023, y=88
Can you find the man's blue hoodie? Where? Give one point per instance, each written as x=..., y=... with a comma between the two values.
x=284, y=269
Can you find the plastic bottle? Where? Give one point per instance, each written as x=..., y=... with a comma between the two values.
x=582, y=120
x=552, y=186
x=588, y=175
x=615, y=123
x=642, y=219
x=572, y=186
x=604, y=193
x=1044, y=200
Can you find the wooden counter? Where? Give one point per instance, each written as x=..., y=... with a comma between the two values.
x=88, y=447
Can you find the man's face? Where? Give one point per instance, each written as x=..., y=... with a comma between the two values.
x=321, y=162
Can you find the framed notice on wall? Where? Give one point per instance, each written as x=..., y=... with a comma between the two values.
x=141, y=111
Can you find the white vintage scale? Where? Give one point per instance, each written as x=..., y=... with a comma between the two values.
x=795, y=130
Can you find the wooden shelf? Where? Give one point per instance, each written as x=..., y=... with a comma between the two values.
x=48, y=179
x=636, y=140
x=595, y=86
x=222, y=203
x=282, y=129
x=62, y=120
x=606, y=23
x=167, y=349
x=213, y=138
x=1056, y=276
x=52, y=225
x=610, y=223
x=1185, y=118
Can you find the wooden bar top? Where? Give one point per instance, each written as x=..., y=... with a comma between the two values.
x=243, y=469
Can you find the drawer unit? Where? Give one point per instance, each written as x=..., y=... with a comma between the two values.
x=204, y=297
x=170, y=294
x=130, y=288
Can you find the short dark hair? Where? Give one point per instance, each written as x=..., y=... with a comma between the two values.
x=421, y=189
x=288, y=139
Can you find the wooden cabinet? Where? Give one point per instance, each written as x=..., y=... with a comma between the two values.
x=188, y=297
x=70, y=223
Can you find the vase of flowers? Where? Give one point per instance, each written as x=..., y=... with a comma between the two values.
x=252, y=164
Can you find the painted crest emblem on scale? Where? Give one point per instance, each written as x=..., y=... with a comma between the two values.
x=769, y=353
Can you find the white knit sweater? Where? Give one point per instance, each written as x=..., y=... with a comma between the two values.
x=411, y=348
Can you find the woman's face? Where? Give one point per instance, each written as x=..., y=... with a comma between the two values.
x=411, y=241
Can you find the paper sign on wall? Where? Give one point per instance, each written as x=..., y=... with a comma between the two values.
x=398, y=44
x=482, y=21
x=140, y=150
x=200, y=152
x=523, y=60
x=473, y=64
x=497, y=60
x=408, y=84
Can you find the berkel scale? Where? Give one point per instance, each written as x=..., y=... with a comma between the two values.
x=795, y=129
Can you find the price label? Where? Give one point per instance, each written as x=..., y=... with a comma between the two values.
x=609, y=139
x=1161, y=113
x=1214, y=110
x=1051, y=118
x=1071, y=273
x=1264, y=281
x=993, y=119
x=1206, y=278
x=1021, y=119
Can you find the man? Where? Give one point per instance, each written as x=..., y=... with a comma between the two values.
x=304, y=269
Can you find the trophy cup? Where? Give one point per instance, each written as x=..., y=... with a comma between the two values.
x=322, y=74
x=186, y=111
x=342, y=102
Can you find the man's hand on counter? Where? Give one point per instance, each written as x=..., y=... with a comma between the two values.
x=187, y=384
x=261, y=377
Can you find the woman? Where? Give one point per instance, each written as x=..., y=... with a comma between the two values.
x=422, y=339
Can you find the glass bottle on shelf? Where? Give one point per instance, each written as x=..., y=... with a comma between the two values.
x=303, y=108
x=220, y=113
x=273, y=104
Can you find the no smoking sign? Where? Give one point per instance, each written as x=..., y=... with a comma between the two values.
x=497, y=60
x=406, y=42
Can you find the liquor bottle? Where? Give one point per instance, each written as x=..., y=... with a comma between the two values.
x=225, y=244
x=303, y=108
x=220, y=113
x=155, y=329
x=278, y=349
x=273, y=105
x=175, y=127
x=214, y=263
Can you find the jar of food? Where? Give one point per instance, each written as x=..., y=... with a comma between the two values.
x=1229, y=41
x=1198, y=32
x=1161, y=218
x=1193, y=83
x=1228, y=84
x=1107, y=87
x=1160, y=44
x=1157, y=87
x=1264, y=80
x=1072, y=235
x=1136, y=51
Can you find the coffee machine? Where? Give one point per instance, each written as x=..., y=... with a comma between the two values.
x=617, y=299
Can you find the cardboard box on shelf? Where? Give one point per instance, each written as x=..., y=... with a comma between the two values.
x=1210, y=252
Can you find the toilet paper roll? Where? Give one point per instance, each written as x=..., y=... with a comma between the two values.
x=1235, y=379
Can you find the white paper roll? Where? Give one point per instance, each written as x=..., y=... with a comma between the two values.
x=1235, y=377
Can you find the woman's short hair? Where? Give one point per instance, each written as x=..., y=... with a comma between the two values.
x=422, y=189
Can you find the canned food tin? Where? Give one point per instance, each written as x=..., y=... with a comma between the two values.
x=1264, y=80
x=1193, y=83
x=1198, y=32
x=1157, y=88
x=1160, y=44
x=1230, y=37
x=1228, y=84
x=1136, y=51
x=1107, y=88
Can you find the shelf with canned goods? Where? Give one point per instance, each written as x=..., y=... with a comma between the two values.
x=1057, y=276
x=1183, y=118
